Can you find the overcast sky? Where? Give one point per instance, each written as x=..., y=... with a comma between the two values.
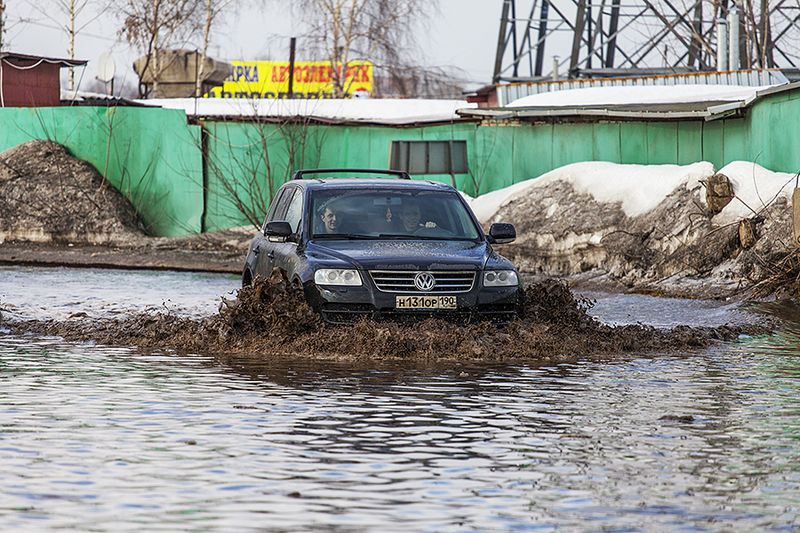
x=464, y=35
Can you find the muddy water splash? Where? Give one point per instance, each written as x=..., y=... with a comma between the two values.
x=272, y=317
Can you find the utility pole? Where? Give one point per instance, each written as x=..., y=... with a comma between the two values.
x=292, y=46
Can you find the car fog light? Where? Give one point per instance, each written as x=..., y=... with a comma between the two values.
x=337, y=276
x=500, y=278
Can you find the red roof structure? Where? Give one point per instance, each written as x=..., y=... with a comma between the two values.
x=31, y=81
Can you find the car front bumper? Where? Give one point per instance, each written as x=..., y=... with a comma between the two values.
x=345, y=305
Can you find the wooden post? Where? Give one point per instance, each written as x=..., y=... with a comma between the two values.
x=747, y=233
x=796, y=215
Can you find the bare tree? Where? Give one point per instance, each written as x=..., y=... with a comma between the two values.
x=72, y=16
x=421, y=81
x=251, y=161
x=382, y=31
x=212, y=11
x=153, y=26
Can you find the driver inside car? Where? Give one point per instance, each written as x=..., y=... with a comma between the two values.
x=330, y=220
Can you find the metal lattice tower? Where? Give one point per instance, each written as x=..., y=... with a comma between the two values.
x=593, y=38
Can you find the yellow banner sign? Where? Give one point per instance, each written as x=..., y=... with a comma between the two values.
x=312, y=79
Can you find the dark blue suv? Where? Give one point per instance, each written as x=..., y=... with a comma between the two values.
x=381, y=247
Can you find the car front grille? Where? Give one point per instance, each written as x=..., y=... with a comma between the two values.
x=402, y=281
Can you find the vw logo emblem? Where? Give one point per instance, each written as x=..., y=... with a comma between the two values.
x=424, y=281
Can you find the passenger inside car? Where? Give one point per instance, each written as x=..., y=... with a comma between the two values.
x=411, y=217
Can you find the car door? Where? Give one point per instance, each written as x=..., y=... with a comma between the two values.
x=286, y=253
x=265, y=250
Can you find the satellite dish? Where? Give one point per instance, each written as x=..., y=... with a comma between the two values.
x=106, y=67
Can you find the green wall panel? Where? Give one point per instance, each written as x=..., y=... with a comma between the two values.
x=532, y=151
x=151, y=155
x=633, y=143
x=605, y=143
x=713, y=138
x=736, y=142
x=690, y=142
x=572, y=143
x=491, y=161
x=662, y=143
x=778, y=136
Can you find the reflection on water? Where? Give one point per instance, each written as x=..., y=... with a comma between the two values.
x=93, y=437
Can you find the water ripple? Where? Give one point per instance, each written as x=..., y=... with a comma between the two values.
x=107, y=439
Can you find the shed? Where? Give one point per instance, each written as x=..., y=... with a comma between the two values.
x=31, y=81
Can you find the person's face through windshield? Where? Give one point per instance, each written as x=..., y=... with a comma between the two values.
x=330, y=220
x=410, y=217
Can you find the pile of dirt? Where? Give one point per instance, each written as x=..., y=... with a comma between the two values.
x=271, y=318
x=47, y=195
x=673, y=249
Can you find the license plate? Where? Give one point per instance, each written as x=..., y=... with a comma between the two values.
x=425, y=302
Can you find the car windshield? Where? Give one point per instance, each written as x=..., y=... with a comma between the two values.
x=390, y=214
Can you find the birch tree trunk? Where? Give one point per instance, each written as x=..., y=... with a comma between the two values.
x=2, y=23
x=201, y=70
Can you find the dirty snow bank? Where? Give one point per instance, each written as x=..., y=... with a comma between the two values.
x=648, y=227
x=48, y=195
x=638, y=188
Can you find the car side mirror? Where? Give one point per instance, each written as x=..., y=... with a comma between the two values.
x=278, y=231
x=500, y=233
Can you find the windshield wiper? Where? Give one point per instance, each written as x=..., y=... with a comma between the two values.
x=408, y=237
x=351, y=236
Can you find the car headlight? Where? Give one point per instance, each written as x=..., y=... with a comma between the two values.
x=500, y=278
x=337, y=276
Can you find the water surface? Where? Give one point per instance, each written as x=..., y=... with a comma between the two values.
x=109, y=439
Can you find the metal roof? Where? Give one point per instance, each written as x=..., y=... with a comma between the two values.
x=706, y=110
x=507, y=93
x=11, y=56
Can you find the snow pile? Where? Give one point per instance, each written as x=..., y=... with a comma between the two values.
x=648, y=94
x=638, y=188
x=369, y=110
x=755, y=188
x=649, y=227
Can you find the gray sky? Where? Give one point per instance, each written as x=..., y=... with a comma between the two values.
x=463, y=36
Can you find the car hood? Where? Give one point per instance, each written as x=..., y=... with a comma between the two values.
x=403, y=254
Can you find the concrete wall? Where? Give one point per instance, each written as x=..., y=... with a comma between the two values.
x=155, y=158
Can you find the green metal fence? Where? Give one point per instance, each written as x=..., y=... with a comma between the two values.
x=184, y=178
x=151, y=155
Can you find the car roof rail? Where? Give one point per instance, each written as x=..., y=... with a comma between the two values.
x=400, y=174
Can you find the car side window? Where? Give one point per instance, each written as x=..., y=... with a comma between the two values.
x=295, y=210
x=283, y=203
x=273, y=207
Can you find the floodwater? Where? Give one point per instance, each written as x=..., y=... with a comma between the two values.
x=108, y=439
